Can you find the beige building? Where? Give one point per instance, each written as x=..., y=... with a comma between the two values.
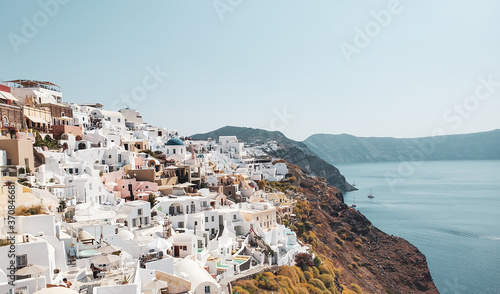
x=262, y=213
x=19, y=152
x=37, y=118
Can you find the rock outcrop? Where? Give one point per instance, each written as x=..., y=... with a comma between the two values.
x=368, y=257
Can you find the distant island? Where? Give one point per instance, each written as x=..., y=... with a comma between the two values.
x=338, y=149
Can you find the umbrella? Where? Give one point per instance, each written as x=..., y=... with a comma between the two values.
x=142, y=194
x=106, y=259
x=159, y=243
x=156, y=284
x=109, y=249
x=32, y=270
x=56, y=290
x=88, y=253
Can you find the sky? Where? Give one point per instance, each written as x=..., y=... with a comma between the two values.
x=367, y=68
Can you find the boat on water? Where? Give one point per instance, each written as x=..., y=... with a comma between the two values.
x=371, y=194
x=354, y=204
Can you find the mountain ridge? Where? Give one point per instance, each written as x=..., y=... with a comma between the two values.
x=345, y=148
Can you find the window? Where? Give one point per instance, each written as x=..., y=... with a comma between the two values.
x=139, y=211
x=206, y=219
x=173, y=151
x=207, y=289
x=119, y=120
x=145, y=221
x=21, y=261
x=195, y=223
x=119, y=158
x=234, y=216
x=110, y=154
x=213, y=219
x=185, y=248
x=257, y=218
x=134, y=222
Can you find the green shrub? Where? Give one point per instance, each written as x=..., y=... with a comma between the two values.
x=356, y=288
x=4, y=242
x=29, y=210
x=318, y=284
x=328, y=280
x=308, y=276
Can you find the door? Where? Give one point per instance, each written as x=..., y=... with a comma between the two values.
x=176, y=251
x=221, y=224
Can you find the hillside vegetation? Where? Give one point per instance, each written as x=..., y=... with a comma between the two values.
x=352, y=256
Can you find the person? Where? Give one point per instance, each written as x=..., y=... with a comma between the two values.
x=68, y=283
x=72, y=252
x=95, y=270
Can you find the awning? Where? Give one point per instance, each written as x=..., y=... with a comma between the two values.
x=37, y=119
x=8, y=96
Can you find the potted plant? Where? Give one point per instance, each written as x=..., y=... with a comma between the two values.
x=12, y=131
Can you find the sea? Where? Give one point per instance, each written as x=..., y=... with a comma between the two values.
x=450, y=210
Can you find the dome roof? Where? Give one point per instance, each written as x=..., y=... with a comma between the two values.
x=126, y=235
x=174, y=141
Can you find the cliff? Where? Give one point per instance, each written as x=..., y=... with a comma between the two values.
x=344, y=148
x=292, y=151
x=355, y=256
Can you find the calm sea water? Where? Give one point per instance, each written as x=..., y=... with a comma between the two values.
x=450, y=210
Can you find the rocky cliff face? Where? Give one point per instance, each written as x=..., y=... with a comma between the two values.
x=292, y=151
x=377, y=262
x=344, y=148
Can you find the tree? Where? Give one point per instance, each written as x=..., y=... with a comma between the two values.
x=304, y=260
x=316, y=261
x=262, y=185
x=38, y=140
x=152, y=200
x=12, y=131
x=62, y=205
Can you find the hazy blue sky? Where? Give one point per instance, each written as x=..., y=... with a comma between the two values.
x=268, y=64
